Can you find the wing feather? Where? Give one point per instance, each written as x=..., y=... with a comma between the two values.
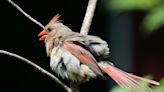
x=83, y=55
x=93, y=43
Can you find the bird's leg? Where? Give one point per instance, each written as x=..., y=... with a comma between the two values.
x=74, y=86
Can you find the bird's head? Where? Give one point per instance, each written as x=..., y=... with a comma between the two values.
x=49, y=28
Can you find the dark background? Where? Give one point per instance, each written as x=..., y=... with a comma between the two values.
x=19, y=35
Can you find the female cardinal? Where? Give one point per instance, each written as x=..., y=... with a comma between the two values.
x=78, y=57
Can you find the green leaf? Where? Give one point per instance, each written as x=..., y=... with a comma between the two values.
x=126, y=5
x=159, y=88
x=118, y=89
x=154, y=19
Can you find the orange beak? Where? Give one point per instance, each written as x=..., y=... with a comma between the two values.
x=42, y=35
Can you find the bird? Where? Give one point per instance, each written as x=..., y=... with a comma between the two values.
x=78, y=58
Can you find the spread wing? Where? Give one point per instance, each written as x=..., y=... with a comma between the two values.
x=83, y=56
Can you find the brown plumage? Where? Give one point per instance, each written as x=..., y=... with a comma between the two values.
x=74, y=56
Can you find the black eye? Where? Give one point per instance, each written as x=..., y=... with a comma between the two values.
x=49, y=29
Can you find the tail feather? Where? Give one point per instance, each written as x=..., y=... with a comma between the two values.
x=140, y=78
x=127, y=80
x=121, y=79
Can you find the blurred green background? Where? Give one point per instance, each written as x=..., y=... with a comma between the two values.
x=154, y=17
x=151, y=13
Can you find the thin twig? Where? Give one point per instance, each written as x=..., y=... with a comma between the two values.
x=88, y=17
x=28, y=61
x=85, y=29
x=25, y=14
x=55, y=79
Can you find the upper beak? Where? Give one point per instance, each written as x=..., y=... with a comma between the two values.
x=42, y=35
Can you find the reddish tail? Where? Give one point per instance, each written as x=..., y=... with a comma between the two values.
x=126, y=80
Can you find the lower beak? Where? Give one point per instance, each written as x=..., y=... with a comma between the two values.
x=42, y=35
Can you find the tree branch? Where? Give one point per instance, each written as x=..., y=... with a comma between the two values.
x=28, y=61
x=25, y=14
x=85, y=29
x=55, y=79
x=88, y=17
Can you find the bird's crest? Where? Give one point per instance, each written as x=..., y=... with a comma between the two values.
x=55, y=19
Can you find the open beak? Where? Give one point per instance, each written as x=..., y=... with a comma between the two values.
x=42, y=35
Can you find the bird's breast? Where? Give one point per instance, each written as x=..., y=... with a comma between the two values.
x=68, y=66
